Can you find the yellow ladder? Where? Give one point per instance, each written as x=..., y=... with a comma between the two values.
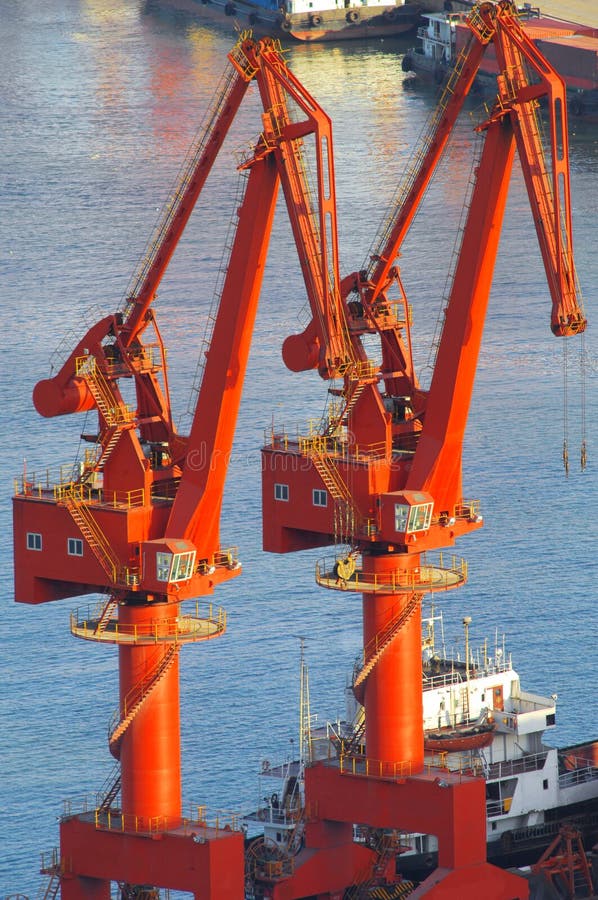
x=106, y=615
x=93, y=534
x=115, y=412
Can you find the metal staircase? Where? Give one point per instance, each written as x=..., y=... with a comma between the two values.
x=93, y=534
x=136, y=698
x=373, y=884
x=106, y=614
x=52, y=869
x=380, y=643
x=110, y=790
x=115, y=413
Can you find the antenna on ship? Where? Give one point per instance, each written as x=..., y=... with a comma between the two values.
x=466, y=624
x=305, y=748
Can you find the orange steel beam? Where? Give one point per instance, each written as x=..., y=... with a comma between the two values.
x=202, y=861
x=550, y=198
x=436, y=465
x=325, y=343
x=383, y=260
x=195, y=513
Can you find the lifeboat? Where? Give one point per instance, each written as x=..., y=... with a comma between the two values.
x=467, y=736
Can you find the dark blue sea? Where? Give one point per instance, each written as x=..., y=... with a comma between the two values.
x=99, y=102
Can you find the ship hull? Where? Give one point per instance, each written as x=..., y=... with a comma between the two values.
x=317, y=26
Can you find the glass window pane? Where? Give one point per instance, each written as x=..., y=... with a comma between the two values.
x=401, y=513
x=163, y=563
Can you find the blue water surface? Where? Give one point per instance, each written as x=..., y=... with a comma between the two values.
x=99, y=103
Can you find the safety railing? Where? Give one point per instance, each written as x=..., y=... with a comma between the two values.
x=315, y=442
x=506, y=769
x=65, y=480
x=580, y=775
x=200, y=626
x=435, y=572
x=374, y=768
x=196, y=821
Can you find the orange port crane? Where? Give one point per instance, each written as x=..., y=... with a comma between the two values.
x=138, y=517
x=383, y=476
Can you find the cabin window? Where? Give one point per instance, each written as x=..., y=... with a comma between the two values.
x=412, y=518
x=545, y=784
x=401, y=516
x=34, y=540
x=74, y=547
x=550, y=719
x=182, y=566
x=163, y=563
x=320, y=498
x=174, y=566
x=419, y=517
x=281, y=492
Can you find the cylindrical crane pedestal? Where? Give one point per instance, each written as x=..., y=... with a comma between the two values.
x=393, y=690
x=150, y=754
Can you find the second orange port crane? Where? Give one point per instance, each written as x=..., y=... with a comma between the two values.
x=382, y=475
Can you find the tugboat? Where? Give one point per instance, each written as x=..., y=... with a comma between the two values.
x=571, y=48
x=477, y=719
x=308, y=20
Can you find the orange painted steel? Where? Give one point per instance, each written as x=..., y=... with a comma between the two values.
x=393, y=694
x=165, y=548
x=150, y=753
x=390, y=504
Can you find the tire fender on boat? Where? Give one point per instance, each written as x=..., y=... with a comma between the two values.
x=229, y=9
x=407, y=63
x=315, y=19
x=352, y=15
x=439, y=73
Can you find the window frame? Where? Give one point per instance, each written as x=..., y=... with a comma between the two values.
x=72, y=546
x=33, y=544
x=283, y=494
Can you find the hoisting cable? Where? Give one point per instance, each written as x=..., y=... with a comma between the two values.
x=565, y=408
x=582, y=373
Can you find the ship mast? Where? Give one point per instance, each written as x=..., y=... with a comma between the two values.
x=305, y=747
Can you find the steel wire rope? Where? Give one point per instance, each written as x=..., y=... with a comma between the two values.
x=478, y=143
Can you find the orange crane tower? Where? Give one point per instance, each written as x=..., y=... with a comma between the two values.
x=383, y=473
x=138, y=518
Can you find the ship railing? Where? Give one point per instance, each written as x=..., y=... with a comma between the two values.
x=508, y=768
x=531, y=703
x=496, y=808
x=580, y=775
x=276, y=815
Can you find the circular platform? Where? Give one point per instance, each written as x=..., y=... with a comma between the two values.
x=88, y=624
x=426, y=578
